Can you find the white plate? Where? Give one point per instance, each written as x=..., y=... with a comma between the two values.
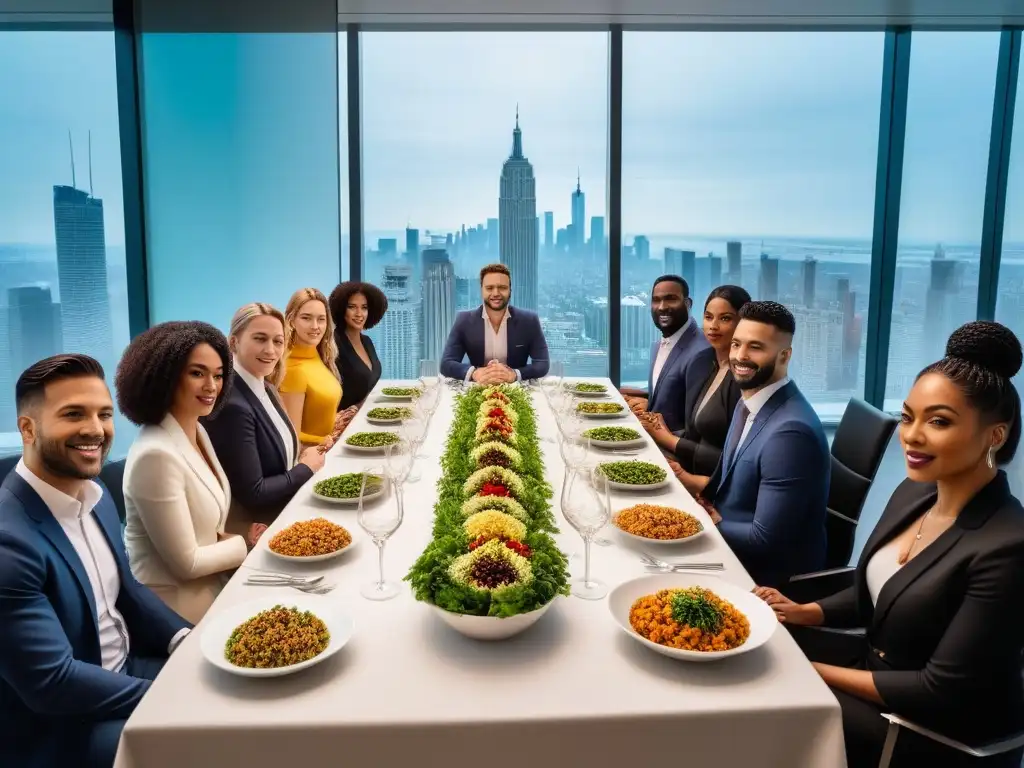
x=395, y=398
x=659, y=542
x=629, y=487
x=617, y=445
x=384, y=422
x=216, y=629
x=617, y=415
x=491, y=627
x=351, y=500
x=366, y=448
x=577, y=393
x=761, y=617
x=314, y=558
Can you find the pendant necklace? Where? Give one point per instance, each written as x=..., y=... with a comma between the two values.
x=904, y=556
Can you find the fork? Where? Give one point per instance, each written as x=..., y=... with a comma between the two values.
x=653, y=562
x=271, y=578
x=309, y=588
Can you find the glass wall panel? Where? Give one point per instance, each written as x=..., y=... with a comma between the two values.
x=481, y=147
x=749, y=159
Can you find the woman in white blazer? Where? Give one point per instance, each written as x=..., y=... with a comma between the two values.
x=176, y=493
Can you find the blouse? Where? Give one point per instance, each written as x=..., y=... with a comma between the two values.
x=357, y=378
x=260, y=390
x=306, y=374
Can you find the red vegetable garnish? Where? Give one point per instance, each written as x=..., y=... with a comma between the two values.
x=493, y=489
x=519, y=548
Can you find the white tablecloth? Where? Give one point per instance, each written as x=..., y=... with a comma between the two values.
x=573, y=690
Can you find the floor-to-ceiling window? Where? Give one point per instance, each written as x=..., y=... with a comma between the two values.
x=483, y=147
x=749, y=159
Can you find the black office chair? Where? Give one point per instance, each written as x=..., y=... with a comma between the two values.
x=858, y=448
x=7, y=465
x=112, y=476
x=1000, y=747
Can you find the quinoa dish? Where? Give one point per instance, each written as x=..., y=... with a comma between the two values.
x=310, y=538
x=691, y=619
x=278, y=637
x=653, y=522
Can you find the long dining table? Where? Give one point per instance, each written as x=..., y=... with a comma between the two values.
x=572, y=690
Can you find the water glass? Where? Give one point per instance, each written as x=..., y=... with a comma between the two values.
x=380, y=520
x=414, y=432
x=398, y=458
x=586, y=506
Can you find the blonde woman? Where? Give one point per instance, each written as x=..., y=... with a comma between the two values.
x=252, y=435
x=311, y=389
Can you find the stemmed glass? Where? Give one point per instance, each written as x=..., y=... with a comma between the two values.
x=380, y=521
x=414, y=431
x=398, y=458
x=587, y=508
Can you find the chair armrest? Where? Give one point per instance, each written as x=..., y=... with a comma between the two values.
x=811, y=587
x=984, y=750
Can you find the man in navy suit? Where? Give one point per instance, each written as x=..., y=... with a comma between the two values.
x=80, y=639
x=680, y=362
x=503, y=344
x=771, y=487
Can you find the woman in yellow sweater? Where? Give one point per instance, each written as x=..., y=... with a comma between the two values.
x=311, y=389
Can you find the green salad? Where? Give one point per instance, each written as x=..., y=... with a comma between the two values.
x=346, y=486
x=612, y=434
x=584, y=386
x=633, y=472
x=400, y=391
x=599, y=408
x=389, y=414
x=372, y=439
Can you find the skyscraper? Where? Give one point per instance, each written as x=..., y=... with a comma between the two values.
x=715, y=270
x=682, y=263
x=768, y=281
x=938, y=311
x=82, y=273
x=438, y=291
x=400, y=343
x=734, y=262
x=33, y=326
x=642, y=248
x=493, y=239
x=597, y=236
x=810, y=273
x=517, y=221
x=412, y=243
x=549, y=231
x=579, y=217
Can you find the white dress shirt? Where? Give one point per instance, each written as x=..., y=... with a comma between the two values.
x=882, y=566
x=259, y=388
x=665, y=347
x=84, y=532
x=756, y=402
x=495, y=344
x=93, y=549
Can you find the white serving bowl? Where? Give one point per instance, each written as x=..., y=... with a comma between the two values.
x=215, y=630
x=491, y=627
x=658, y=542
x=761, y=617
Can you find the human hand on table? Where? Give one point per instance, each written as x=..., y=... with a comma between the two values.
x=326, y=445
x=253, y=535
x=637, y=405
x=343, y=418
x=313, y=458
x=709, y=508
x=654, y=423
x=787, y=611
x=494, y=373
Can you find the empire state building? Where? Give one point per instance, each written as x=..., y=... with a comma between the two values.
x=517, y=223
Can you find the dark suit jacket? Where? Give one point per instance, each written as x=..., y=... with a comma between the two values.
x=53, y=688
x=527, y=349
x=356, y=379
x=682, y=376
x=252, y=454
x=947, y=632
x=700, y=445
x=772, y=496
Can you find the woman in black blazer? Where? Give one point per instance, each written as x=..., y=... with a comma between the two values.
x=698, y=448
x=357, y=307
x=252, y=435
x=940, y=583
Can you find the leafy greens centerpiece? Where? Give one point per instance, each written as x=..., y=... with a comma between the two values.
x=492, y=553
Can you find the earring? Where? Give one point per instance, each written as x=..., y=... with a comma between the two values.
x=990, y=458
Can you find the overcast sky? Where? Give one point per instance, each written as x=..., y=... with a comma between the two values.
x=737, y=134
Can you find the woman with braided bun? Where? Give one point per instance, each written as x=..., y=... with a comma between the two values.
x=939, y=586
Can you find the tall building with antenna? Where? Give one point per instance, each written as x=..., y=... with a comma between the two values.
x=579, y=217
x=517, y=223
x=82, y=268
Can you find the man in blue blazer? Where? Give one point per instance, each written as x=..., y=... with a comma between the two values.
x=680, y=362
x=80, y=639
x=771, y=486
x=503, y=344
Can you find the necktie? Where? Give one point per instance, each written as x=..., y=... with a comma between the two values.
x=739, y=421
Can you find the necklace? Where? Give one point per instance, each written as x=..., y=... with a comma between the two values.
x=905, y=555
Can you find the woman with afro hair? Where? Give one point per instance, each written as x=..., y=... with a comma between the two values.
x=357, y=307
x=176, y=494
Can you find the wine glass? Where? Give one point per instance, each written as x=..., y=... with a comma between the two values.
x=398, y=458
x=380, y=521
x=414, y=431
x=587, y=508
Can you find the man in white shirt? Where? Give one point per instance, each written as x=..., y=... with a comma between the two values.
x=502, y=343
x=80, y=639
x=680, y=362
x=770, y=489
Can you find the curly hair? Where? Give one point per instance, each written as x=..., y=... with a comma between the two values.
x=981, y=359
x=770, y=313
x=327, y=349
x=376, y=303
x=495, y=269
x=151, y=368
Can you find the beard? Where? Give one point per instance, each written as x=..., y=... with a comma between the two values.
x=762, y=375
x=503, y=302
x=677, y=319
x=57, y=456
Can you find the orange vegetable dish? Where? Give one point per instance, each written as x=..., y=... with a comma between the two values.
x=651, y=618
